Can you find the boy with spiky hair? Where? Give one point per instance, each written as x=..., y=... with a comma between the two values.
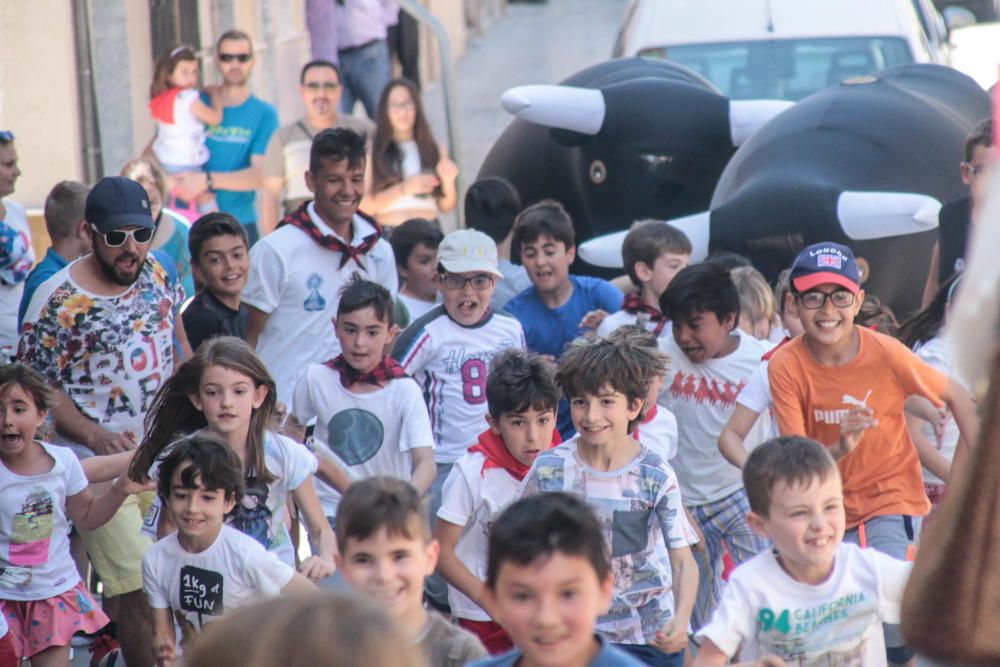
x=634, y=493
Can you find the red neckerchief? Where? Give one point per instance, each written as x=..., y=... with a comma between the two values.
x=767, y=355
x=633, y=303
x=300, y=218
x=387, y=369
x=161, y=107
x=649, y=418
x=497, y=455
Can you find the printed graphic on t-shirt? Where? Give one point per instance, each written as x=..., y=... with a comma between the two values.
x=314, y=301
x=252, y=516
x=201, y=595
x=836, y=415
x=690, y=387
x=32, y=530
x=830, y=634
x=355, y=435
x=472, y=369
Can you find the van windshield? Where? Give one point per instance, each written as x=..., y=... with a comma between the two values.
x=786, y=69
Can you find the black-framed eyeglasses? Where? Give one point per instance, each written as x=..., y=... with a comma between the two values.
x=230, y=57
x=974, y=170
x=118, y=237
x=6, y=136
x=315, y=86
x=815, y=299
x=453, y=281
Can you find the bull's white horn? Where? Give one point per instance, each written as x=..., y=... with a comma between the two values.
x=564, y=107
x=697, y=227
x=748, y=116
x=874, y=215
x=604, y=251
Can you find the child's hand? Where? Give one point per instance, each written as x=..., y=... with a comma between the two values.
x=420, y=184
x=211, y=91
x=671, y=638
x=165, y=654
x=857, y=420
x=446, y=169
x=593, y=319
x=127, y=486
x=315, y=568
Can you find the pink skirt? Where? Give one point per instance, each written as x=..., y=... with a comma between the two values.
x=36, y=625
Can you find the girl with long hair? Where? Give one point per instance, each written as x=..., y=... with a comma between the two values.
x=411, y=175
x=226, y=389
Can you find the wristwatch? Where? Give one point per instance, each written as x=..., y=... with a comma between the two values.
x=208, y=181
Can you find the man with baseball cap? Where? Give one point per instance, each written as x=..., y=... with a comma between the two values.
x=844, y=386
x=103, y=332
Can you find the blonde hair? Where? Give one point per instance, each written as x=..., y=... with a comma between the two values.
x=756, y=297
x=144, y=171
x=316, y=630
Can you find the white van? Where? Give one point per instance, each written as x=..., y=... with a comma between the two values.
x=780, y=49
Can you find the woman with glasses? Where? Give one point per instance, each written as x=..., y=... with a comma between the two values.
x=410, y=175
x=16, y=254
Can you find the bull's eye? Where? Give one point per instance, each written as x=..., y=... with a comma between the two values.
x=598, y=172
x=864, y=268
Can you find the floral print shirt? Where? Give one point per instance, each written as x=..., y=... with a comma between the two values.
x=109, y=354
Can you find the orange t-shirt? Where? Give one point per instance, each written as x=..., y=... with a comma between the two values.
x=882, y=475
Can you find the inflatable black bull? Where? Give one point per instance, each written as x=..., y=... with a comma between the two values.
x=865, y=163
x=623, y=140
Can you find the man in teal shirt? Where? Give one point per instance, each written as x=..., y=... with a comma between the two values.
x=237, y=145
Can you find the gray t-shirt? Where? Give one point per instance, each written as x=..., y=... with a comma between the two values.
x=447, y=645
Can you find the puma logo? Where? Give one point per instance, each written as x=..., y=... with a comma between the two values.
x=850, y=400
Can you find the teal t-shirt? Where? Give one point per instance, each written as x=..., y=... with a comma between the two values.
x=243, y=133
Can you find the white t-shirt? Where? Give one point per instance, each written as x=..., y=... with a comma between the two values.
x=34, y=543
x=17, y=258
x=756, y=396
x=367, y=434
x=297, y=282
x=623, y=318
x=935, y=353
x=474, y=498
x=838, y=622
x=261, y=513
x=416, y=307
x=659, y=433
x=450, y=362
x=181, y=143
x=198, y=588
x=702, y=397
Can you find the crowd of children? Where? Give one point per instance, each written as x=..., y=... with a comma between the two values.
x=567, y=481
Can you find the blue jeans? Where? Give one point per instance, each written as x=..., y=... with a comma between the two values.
x=435, y=587
x=653, y=656
x=365, y=71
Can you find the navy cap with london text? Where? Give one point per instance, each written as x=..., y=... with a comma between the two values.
x=117, y=202
x=825, y=263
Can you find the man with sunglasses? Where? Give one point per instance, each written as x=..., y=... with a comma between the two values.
x=103, y=332
x=287, y=157
x=236, y=146
x=844, y=386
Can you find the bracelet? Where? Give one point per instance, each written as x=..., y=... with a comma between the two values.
x=208, y=180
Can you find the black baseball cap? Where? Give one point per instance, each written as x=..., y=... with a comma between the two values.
x=117, y=202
